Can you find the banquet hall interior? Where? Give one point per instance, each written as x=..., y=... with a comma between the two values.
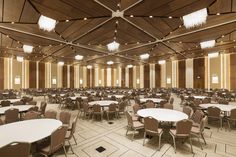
x=117, y=78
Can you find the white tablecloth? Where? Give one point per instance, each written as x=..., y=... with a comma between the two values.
x=222, y=107
x=166, y=115
x=21, y=108
x=11, y=100
x=27, y=131
x=103, y=103
x=117, y=96
x=155, y=100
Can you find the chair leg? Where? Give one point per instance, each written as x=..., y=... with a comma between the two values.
x=133, y=135
x=229, y=125
x=190, y=141
x=174, y=142
x=199, y=142
x=127, y=130
x=203, y=138
x=71, y=147
x=64, y=151
x=74, y=139
x=107, y=116
x=144, y=137
x=160, y=141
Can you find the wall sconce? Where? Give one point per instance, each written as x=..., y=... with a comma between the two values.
x=99, y=82
x=198, y=77
x=215, y=79
x=54, y=81
x=168, y=80
x=138, y=81
x=81, y=81
x=117, y=82
x=17, y=80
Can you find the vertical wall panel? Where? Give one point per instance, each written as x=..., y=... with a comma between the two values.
x=92, y=77
x=157, y=75
x=88, y=77
x=72, y=78
x=199, y=73
x=122, y=77
x=41, y=75
x=32, y=74
x=2, y=73
x=105, y=77
x=64, y=76
x=232, y=72
x=130, y=77
x=146, y=76
x=182, y=74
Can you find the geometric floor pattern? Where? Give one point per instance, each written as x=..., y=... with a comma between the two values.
x=92, y=134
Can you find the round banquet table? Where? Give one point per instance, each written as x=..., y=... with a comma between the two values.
x=11, y=100
x=82, y=97
x=165, y=115
x=27, y=131
x=103, y=103
x=222, y=107
x=197, y=97
x=21, y=108
x=155, y=100
x=117, y=96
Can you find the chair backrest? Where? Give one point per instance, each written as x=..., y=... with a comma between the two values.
x=5, y=103
x=65, y=117
x=203, y=123
x=58, y=138
x=112, y=108
x=86, y=107
x=11, y=115
x=183, y=127
x=213, y=111
x=151, y=124
x=31, y=115
x=43, y=106
x=223, y=101
x=162, y=103
x=1, y=122
x=197, y=116
x=150, y=105
x=168, y=106
x=73, y=126
x=18, y=103
x=136, y=108
x=233, y=114
x=206, y=100
x=51, y=114
x=16, y=149
x=171, y=100
x=34, y=108
x=188, y=110
x=32, y=103
x=122, y=106
x=97, y=108
x=129, y=119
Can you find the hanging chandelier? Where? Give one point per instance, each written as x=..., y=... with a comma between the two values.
x=113, y=46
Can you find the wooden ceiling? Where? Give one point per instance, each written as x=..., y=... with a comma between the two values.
x=85, y=27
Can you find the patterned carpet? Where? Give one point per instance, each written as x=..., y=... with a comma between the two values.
x=93, y=136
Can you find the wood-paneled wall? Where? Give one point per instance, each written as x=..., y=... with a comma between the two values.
x=122, y=77
x=72, y=73
x=146, y=76
x=182, y=74
x=199, y=73
x=41, y=75
x=130, y=77
x=1, y=73
x=32, y=74
x=64, y=76
x=232, y=72
x=157, y=75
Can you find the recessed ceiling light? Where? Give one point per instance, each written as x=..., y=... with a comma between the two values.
x=85, y=18
x=117, y=22
x=150, y=16
x=12, y=22
x=131, y=16
x=180, y=42
x=8, y=36
x=170, y=17
x=46, y=23
x=222, y=36
x=234, y=40
x=218, y=14
x=67, y=20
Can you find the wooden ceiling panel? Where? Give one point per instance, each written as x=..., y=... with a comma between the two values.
x=29, y=14
x=13, y=10
x=221, y=6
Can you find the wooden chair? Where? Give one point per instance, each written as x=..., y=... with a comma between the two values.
x=15, y=149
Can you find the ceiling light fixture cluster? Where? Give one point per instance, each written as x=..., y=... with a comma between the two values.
x=20, y=58
x=46, y=23
x=213, y=54
x=28, y=48
x=110, y=62
x=161, y=62
x=89, y=66
x=130, y=66
x=61, y=63
x=144, y=56
x=207, y=44
x=79, y=57
x=195, y=19
x=113, y=46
